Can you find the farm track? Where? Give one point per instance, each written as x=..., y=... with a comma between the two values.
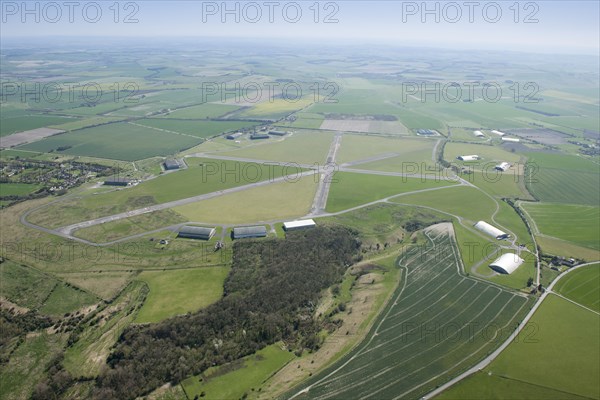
x=438, y=324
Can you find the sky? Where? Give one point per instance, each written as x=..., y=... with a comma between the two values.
x=536, y=26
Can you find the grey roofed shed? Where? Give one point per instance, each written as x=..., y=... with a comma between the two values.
x=249, y=232
x=171, y=164
x=196, y=232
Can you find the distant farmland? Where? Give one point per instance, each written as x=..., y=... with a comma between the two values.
x=437, y=324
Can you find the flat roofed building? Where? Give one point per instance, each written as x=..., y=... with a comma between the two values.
x=295, y=225
x=503, y=166
x=510, y=139
x=507, y=263
x=171, y=164
x=256, y=136
x=491, y=230
x=249, y=232
x=118, y=182
x=472, y=157
x=196, y=232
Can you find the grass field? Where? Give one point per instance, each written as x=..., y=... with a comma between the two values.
x=25, y=123
x=301, y=147
x=103, y=284
x=200, y=129
x=275, y=201
x=202, y=176
x=350, y=189
x=120, y=141
x=129, y=226
x=17, y=189
x=28, y=364
x=238, y=379
x=87, y=356
x=557, y=353
x=487, y=153
x=582, y=286
x=357, y=148
x=556, y=178
x=202, y=111
x=180, y=291
x=566, y=249
x=574, y=223
x=422, y=336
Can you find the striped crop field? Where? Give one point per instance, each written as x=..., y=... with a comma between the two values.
x=438, y=323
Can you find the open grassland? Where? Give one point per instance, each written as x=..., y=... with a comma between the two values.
x=499, y=184
x=276, y=108
x=240, y=378
x=28, y=364
x=350, y=189
x=558, y=352
x=452, y=200
x=578, y=224
x=130, y=226
x=402, y=359
x=103, y=284
x=301, y=147
x=359, y=148
x=25, y=123
x=304, y=120
x=87, y=356
x=202, y=111
x=559, y=247
x=201, y=177
x=200, y=129
x=180, y=291
x=121, y=141
x=17, y=189
x=275, y=201
x=32, y=289
x=557, y=178
x=582, y=286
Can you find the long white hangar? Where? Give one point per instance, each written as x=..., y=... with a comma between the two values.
x=491, y=230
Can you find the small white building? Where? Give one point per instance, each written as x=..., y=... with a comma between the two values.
x=503, y=166
x=506, y=263
x=478, y=134
x=490, y=230
x=295, y=225
x=510, y=139
x=498, y=133
x=472, y=157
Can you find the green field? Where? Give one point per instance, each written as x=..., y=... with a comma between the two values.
x=304, y=147
x=350, y=189
x=489, y=154
x=202, y=176
x=556, y=178
x=357, y=148
x=120, y=141
x=25, y=123
x=202, y=111
x=17, y=189
x=114, y=230
x=582, y=286
x=180, y=291
x=28, y=364
x=236, y=380
x=574, y=223
x=200, y=129
x=411, y=348
x=557, y=352
x=278, y=200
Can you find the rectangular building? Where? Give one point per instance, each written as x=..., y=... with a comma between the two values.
x=171, y=164
x=233, y=136
x=472, y=157
x=249, y=232
x=196, y=232
x=277, y=133
x=295, y=225
x=117, y=182
x=256, y=136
